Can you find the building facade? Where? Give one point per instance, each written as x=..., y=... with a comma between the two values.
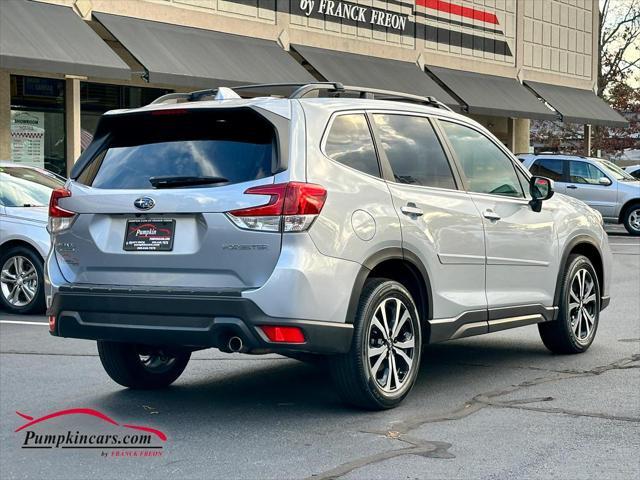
x=503, y=62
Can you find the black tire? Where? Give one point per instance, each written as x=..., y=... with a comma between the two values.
x=123, y=364
x=352, y=372
x=560, y=335
x=630, y=219
x=36, y=305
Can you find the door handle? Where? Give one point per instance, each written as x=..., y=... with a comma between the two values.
x=491, y=215
x=572, y=187
x=411, y=209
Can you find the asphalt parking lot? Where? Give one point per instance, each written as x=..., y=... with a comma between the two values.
x=496, y=406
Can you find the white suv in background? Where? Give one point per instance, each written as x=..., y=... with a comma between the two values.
x=599, y=183
x=343, y=222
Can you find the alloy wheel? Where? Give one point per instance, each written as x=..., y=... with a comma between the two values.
x=156, y=361
x=391, y=345
x=583, y=305
x=18, y=281
x=634, y=219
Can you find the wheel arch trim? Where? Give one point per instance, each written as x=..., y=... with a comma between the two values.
x=626, y=207
x=568, y=248
x=390, y=253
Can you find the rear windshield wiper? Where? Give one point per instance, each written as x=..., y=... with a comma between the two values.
x=171, y=182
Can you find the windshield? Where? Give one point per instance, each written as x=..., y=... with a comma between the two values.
x=27, y=187
x=615, y=171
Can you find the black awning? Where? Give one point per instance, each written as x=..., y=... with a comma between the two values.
x=492, y=95
x=195, y=57
x=373, y=72
x=577, y=105
x=52, y=39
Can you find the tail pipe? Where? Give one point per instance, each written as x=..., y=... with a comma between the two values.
x=235, y=344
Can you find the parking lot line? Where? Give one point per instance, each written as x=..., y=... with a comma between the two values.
x=18, y=322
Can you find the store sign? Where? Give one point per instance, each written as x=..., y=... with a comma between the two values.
x=27, y=137
x=42, y=87
x=356, y=13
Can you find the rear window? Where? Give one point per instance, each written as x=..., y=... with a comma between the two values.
x=238, y=145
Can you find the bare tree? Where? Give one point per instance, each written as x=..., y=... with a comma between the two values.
x=619, y=49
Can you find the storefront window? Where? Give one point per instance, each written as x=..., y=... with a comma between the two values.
x=37, y=122
x=97, y=98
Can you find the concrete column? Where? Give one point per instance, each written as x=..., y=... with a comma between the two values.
x=518, y=141
x=72, y=120
x=5, y=116
x=511, y=134
x=587, y=140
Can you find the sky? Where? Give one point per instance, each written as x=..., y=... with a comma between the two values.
x=620, y=6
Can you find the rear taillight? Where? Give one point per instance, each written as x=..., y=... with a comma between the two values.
x=292, y=207
x=59, y=218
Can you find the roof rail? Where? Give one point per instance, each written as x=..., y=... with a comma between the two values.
x=563, y=154
x=301, y=90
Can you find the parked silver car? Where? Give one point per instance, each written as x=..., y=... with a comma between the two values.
x=24, y=241
x=599, y=183
x=634, y=171
x=328, y=223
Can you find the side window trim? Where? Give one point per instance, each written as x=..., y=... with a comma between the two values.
x=566, y=172
x=500, y=147
x=385, y=165
x=327, y=131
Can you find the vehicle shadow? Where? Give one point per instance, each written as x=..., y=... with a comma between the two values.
x=289, y=387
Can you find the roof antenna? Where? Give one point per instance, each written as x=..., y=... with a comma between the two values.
x=225, y=93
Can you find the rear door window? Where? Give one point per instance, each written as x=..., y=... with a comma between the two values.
x=414, y=151
x=548, y=167
x=237, y=145
x=349, y=142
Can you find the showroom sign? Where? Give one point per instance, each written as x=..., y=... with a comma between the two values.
x=356, y=13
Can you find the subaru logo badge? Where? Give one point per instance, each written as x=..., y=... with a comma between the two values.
x=144, y=203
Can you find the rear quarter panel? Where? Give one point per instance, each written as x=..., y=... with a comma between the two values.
x=358, y=218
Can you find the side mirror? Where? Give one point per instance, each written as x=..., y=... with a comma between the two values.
x=541, y=189
x=604, y=181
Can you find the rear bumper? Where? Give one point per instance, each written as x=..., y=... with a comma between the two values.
x=186, y=318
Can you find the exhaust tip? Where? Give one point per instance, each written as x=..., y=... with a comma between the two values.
x=235, y=344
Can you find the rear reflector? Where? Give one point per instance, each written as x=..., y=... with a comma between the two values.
x=52, y=323
x=280, y=334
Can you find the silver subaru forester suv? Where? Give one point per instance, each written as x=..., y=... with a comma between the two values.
x=342, y=223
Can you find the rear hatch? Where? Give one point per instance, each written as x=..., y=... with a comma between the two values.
x=152, y=198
